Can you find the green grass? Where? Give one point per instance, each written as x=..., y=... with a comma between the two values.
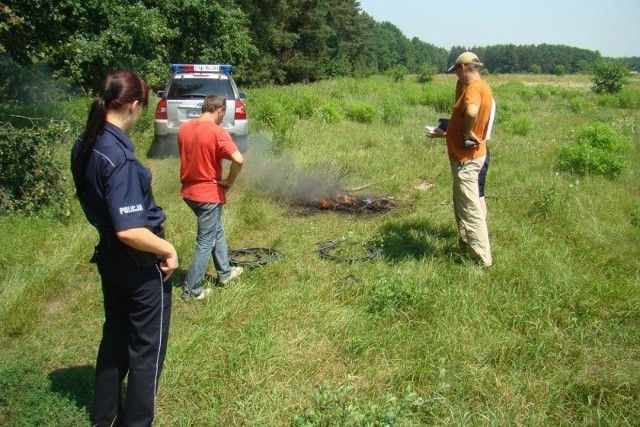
x=550, y=335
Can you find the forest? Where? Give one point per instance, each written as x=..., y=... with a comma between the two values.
x=269, y=42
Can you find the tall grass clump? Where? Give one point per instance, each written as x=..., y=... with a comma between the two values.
x=360, y=112
x=440, y=97
x=597, y=150
x=579, y=104
x=393, y=111
x=569, y=93
x=635, y=217
x=543, y=92
x=342, y=407
x=628, y=97
x=546, y=201
x=515, y=90
x=330, y=112
x=519, y=125
x=392, y=293
x=276, y=115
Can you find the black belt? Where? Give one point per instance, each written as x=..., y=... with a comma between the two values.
x=110, y=242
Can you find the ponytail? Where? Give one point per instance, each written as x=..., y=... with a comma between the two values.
x=118, y=89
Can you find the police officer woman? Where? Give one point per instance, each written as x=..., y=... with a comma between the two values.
x=133, y=259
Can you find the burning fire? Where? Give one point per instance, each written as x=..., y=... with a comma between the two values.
x=345, y=202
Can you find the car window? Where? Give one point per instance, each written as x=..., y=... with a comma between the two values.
x=199, y=88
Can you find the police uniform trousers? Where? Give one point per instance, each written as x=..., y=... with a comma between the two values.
x=137, y=306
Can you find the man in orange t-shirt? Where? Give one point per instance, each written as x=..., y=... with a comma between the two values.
x=203, y=145
x=466, y=145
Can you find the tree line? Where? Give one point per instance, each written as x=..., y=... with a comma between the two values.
x=268, y=42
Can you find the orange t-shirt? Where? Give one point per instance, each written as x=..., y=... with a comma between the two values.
x=479, y=93
x=203, y=145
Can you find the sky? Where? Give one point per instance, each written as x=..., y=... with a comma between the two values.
x=611, y=27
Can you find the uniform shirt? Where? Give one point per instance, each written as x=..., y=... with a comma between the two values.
x=203, y=145
x=479, y=93
x=117, y=193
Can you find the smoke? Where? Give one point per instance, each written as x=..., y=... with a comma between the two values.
x=278, y=176
x=34, y=84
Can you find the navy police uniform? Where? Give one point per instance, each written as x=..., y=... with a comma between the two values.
x=137, y=302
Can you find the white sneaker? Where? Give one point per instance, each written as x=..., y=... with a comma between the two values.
x=204, y=294
x=235, y=272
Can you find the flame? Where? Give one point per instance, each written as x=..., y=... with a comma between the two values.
x=343, y=201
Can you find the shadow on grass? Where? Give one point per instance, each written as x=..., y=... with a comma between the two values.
x=76, y=383
x=418, y=240
x=178, y=276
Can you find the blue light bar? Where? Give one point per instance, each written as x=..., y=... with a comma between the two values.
x=201, y=68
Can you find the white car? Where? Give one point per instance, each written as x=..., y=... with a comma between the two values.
x=181, y=101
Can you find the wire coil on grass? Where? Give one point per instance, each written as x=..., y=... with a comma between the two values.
x=253, y=257
x=372, y=252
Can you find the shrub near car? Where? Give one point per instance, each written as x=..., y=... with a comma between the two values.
x=181, y=101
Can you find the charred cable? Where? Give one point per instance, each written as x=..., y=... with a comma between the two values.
x=253, y=257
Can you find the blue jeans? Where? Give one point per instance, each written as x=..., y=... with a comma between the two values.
x=210, y=242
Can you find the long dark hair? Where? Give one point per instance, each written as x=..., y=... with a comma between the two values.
x=118, y=89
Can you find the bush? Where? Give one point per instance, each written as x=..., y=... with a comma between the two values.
x=361, y=112
x=609, y=76
x=597, y=150
x=306, y=105
x=426, y=73
x=30, y=83
x=31, y=178
x=397, y=73
x=535, y=69
x=559, y=70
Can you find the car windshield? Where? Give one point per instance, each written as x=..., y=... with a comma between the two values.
x=200, y=88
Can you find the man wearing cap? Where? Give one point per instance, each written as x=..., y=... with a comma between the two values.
x=466, y=145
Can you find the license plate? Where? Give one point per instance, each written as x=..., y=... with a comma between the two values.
x=192, y=114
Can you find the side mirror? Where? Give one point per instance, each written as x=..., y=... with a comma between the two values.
x=242, y=95
x=160, y=93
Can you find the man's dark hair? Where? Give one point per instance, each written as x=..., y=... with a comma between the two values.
x=212, y=103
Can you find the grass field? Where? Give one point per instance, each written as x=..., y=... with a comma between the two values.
x=550, y=335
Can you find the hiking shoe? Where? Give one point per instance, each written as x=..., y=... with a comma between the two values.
x=235, y=272
x=204, y=294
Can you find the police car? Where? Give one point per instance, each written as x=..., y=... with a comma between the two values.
x=181, y=100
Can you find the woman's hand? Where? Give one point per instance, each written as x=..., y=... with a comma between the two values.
x=169, y=264
x=142, y=239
